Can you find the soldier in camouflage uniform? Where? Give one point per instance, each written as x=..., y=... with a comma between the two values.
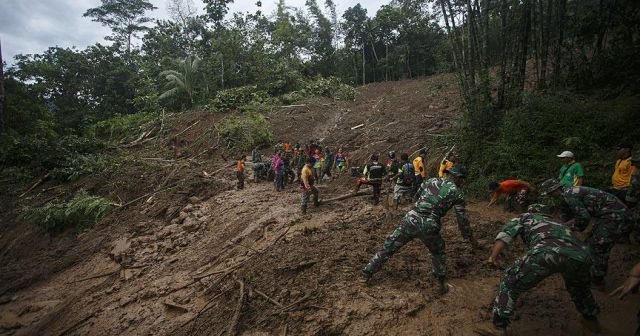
x=551, y=249
x=437, y=196
x=609, y=214
x=633, y=195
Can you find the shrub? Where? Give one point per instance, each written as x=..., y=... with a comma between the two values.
x=331, y=87
x=121, y=126
x=82, y=212
x=533, y=134
x=231, y=99
x=244, y=133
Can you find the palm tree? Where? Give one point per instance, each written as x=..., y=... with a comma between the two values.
x=183, y=80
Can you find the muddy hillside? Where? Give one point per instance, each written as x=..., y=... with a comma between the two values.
x=187, y=254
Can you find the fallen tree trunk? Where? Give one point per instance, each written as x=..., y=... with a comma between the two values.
x=351, y=194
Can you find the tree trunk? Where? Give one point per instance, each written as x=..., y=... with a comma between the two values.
x=560, y=18
x=524, y=43
x=386, y=67
x=2, y=98
x=363, y=66
x=222, y=71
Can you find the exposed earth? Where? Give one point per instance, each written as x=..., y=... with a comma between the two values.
x=201, y=258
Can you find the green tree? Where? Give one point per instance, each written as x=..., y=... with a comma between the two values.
x=184, y=80
x=124, y=17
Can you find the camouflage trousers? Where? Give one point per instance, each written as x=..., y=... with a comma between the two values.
x=306, y=195
x=531, y=269
x=412, y=226
x=606, y=231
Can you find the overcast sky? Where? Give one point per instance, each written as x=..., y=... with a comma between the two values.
x=32, y=26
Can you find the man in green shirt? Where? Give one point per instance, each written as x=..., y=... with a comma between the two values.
x=571, y=172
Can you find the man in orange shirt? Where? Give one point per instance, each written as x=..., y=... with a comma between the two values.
x=516, y=191
x=240, y=173
x=621, y=178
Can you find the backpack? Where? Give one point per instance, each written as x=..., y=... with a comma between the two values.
x=408, y=175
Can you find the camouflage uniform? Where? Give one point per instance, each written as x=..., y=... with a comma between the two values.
x=609, y=212
x=551, y=249
x=633, y=213
x=437, y=196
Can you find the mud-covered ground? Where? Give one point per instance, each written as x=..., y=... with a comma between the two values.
x=205, y=259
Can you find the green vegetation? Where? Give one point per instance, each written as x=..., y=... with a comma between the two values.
x=244, y=133
x=81, y=213
x=530, y=137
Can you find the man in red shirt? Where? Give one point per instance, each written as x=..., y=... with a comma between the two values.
x=516, y=191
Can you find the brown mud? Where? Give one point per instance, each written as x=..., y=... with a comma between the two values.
x=205, y=259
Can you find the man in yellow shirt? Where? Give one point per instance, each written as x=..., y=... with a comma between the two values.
x=446, y=164
x=306, y=184
x=419, y=169
x=623, y=169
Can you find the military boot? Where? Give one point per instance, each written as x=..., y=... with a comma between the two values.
x=365, y=278
x=487, y=328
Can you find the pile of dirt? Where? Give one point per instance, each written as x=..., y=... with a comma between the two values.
x=194, y=256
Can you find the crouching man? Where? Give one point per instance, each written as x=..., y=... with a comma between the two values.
x=551, y=249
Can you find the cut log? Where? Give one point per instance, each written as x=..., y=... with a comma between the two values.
x=339, y=198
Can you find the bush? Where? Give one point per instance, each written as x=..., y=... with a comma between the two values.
x=533, y=134
x=247, y=132
x=82, y=212
x=121, y=126
x=235, y=98
x=331, y=87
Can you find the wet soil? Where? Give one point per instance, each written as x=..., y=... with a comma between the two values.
x=206, y=259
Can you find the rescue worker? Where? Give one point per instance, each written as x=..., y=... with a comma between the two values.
x=632, y=197
x=240, y=173
x=623, y=169
x=449, y=161
x=373, y=173
x=609, y=215
x=550, y=249
x=278, y=167
x=393, y=165
x=307, y=182
x=404, y=181
x=516, y=192
x=419, y=170
x=341, y=160
x=423, y=221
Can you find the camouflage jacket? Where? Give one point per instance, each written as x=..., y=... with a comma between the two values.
x=437, y=196
x=586, y=202
x=633, y=194
x=542, y=235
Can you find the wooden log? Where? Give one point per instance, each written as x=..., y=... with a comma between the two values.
x=339, y=198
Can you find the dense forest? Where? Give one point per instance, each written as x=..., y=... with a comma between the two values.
x=565, y=72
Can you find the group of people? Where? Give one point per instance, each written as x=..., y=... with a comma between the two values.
x=551, y=245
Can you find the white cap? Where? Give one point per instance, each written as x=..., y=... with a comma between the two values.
x=565, y=154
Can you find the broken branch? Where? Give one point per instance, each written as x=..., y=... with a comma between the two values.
x=233, y=328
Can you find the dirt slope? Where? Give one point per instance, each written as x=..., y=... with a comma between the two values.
x=204, y=259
